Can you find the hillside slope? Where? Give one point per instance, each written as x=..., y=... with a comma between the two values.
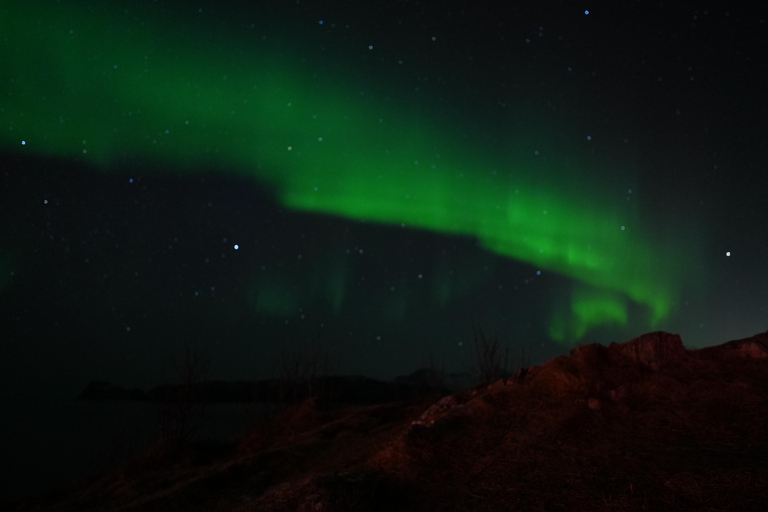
x=642, y=425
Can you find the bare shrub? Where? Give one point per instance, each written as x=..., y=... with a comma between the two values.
x=181, y=409
x=491, y=358
x=303, y=374
x=434, y=375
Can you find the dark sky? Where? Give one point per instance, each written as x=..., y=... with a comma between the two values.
x=374, y=175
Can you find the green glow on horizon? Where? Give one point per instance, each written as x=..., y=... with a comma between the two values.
x=117, y=85
x=329, y=285
x=336, y=285
x=274, y=295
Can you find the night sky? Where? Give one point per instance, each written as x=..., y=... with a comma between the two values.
x=246, y=179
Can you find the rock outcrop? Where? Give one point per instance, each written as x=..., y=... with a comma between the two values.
x=655, y=349
x=596, y=375
x=755, y=347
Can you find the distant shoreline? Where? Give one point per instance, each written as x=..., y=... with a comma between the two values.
x=335, y=388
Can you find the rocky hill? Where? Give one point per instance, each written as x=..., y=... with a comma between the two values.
x=641, y=425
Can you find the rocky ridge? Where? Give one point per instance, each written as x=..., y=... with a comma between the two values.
x=641, y=425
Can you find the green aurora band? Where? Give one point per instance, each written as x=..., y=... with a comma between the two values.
x=318, y=145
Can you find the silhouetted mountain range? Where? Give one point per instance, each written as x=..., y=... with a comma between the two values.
x=335, y=388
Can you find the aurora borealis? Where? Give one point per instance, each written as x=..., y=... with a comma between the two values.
x=339, y=118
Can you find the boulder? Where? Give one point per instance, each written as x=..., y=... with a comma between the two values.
x=755, y=347
x=436, y=411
